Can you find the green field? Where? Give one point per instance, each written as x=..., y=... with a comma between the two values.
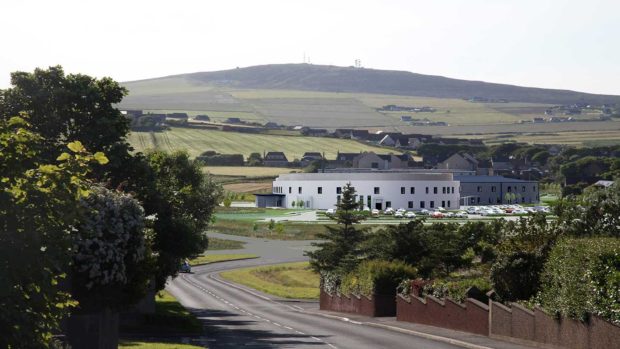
x=289, y=280
x=216, y=244
x=196, y=141
x=247, y=171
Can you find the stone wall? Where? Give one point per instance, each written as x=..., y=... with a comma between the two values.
x=378, y=305
x=472, y=316
x=520, y=324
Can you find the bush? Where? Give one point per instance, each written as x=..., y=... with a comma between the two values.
x=221, y=159
x=516, y=276
x=582, y=277
x=456, y=289
x=377, y=277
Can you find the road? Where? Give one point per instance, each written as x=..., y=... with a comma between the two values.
x=237, y=317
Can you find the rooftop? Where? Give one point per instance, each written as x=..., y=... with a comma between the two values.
x=490, y=179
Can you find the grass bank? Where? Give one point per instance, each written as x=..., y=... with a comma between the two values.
x=214, y=258
x=155, y=345
x=216, y=244
x=289, y=280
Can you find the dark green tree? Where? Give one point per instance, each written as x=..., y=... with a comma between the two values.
x=341, y=250
x=402, y=242
x=255, y=159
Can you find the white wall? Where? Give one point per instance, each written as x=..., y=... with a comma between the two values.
x=390, y=190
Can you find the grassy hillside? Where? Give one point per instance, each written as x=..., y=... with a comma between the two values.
x=196, y=141
x=309, y=77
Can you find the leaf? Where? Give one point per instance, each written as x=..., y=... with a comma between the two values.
x=101, y=158
x=63, y=157
x=76, y=147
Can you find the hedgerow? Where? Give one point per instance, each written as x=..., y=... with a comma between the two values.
x=376, y=277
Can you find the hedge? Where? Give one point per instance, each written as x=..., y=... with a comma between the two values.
x=582, y=277
x=377, y=277
x=456, y=289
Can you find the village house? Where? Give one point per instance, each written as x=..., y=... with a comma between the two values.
x=275, y=159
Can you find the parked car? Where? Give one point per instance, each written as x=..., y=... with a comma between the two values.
x=398, y=214
x=375, y=213
x=437, y=214
x=185, y=267
x=424, y=212
x=410, y=215
x=389, y=210
x=460, y=214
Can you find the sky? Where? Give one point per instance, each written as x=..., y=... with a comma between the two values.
x=565, y=44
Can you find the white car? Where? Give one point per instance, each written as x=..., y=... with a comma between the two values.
x=424, y=212
x=410, y=214
x=330, y=211
x=375, y=212
x=460, y=214
x=398, y=214
x=389, y=210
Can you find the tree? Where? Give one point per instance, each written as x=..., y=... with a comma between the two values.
x=341, y=251
x=255, y=159
x=38, y=208
x=68, y=107
x=402, y=242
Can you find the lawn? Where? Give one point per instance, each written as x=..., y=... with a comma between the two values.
x=216, y=244
x=214, y=258
x=196, y=141
x=289, y=280
x=291, y=231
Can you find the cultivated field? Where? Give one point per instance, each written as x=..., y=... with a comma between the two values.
x=249, y=187
x=196, y=141
x=247, y=171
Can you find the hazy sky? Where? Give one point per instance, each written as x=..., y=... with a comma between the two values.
x=564, y=44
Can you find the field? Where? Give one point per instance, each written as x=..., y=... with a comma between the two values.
x=290, y=280
x=216, y=244
x=247, y=171
x=196, y=141
x=249, y=187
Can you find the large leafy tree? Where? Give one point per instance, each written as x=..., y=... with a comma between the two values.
x=38, y=208
x=341, y=251
x=72, y=107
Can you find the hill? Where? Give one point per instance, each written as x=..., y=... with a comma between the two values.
x=307, y=77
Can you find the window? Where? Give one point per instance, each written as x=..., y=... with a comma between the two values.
x=493, y=189
x=426, y=190
x=478, y=200
x=402, y=190
x=523, y=200
x=374, y=165
x=479, y=189
x=412, y=190
x=368, y=200
x=299, y=190
x=432, y=204
x=338, y=199
x=435, y=190
x=443, y=190
x=443, y=203
x=319, y=190
x=377, y=191
x=509, y=189
x=422, y=204
x=410, y=204
x=338, y=190
x=534, y=188
x=388, y=204
x=523, y=189
x=448, y=203
x=489, y=200
x=290, y=190
x=452, y=190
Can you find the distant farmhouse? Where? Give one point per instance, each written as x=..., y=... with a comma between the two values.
x=275, y=159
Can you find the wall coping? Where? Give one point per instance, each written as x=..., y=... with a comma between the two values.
x=504, y=307
x=436, y=300
x=477, y=303
x=349, y=296
x=522, y=308
x=448, y=299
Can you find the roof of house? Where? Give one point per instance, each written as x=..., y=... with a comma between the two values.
x=275, y=155
x=312, y=154
x=346, y=156
x=490, y=179
x=605, y=184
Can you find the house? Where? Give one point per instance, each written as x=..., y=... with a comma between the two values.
x=359, y=134
x=177, y=116
x=466, y=162
x=493, y=190
x=132, y=112
x=233, y=121
x=387, y=141
x=275, y=159
x=202, y=117
x=343, y=132
x=315, y=132
x=344, y=159
x=271, y=125
x=603, y=184
x=405, y=118
x=538, y=120
x=310, y=157
x=502, y=167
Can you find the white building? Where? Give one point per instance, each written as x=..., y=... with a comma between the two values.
x=412, y=191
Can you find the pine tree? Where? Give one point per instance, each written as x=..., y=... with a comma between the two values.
x=341, y=249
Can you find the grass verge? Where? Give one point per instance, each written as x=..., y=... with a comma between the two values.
x=130, y=344
x=214, y=258
x=224, y=244
x=289, y=280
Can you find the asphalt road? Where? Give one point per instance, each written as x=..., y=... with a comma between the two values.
x=236, y=317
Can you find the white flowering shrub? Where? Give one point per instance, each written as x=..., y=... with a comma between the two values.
x=109, y=239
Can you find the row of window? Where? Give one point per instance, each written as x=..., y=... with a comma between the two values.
x=509, y=189
x=377, y=190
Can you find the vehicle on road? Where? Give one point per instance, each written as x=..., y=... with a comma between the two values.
x=185, y=267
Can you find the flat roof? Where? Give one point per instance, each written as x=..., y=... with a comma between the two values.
x=490, y=179
x=367, y=176
x=269, y=194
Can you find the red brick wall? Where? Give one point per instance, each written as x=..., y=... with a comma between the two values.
x=521, y=324
x=378, y=305
x=472, y=316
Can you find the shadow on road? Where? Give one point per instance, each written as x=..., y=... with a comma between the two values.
x=225, y=329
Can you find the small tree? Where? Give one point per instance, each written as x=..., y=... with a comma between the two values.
x=341, y=251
